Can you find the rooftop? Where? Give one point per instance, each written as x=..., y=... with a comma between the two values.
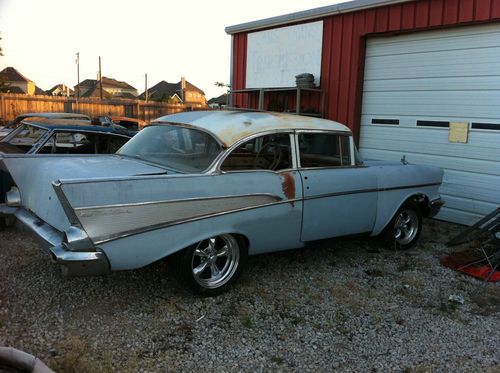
x=231, y=126
x=10, y=74
x=324, y=11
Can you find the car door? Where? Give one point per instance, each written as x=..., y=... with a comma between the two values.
x=340, y=197
x=267, y=164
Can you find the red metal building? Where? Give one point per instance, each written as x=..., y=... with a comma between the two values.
x=346, y=28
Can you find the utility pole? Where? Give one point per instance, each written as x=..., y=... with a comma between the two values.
x=146, y=86
x=100, y=78
x=77, y=79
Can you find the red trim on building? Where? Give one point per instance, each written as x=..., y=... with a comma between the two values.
x=344, y=40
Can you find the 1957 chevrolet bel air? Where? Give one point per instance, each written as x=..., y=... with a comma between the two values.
x=210, y=188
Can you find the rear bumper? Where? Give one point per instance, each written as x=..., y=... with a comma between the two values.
x=73, y=263
x=434, y=207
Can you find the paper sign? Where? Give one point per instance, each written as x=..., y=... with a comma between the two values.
x=459, y=132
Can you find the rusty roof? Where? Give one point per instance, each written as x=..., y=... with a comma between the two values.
x=231, y=126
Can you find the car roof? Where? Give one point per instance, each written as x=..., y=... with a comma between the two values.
x=231, y=126
x=73, y=125
x=53, y=115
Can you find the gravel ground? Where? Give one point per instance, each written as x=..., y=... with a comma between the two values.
x=346, y=305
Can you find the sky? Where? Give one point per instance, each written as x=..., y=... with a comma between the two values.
x=165, y=39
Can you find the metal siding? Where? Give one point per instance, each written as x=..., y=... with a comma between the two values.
x=447, y=75
x=343, y=38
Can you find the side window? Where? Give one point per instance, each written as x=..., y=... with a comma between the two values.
x=270, y=152
x=69, y=143
x=324, y=150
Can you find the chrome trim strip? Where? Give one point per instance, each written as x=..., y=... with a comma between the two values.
x=326, y=195
x=118, y=205
x=173, y=223
x=68, y=210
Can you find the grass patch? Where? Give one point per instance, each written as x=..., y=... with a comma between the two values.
x=246, y=321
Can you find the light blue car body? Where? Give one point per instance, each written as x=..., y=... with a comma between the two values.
x=112, y=212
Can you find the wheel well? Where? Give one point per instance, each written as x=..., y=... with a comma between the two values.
x=422, y=202
x=243, y=239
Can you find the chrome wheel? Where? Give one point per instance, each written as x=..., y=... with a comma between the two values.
x=215, y=260
x=406, y=226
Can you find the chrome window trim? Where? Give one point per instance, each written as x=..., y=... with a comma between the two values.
x=209, y=169
x=217, y=167
x=190, y=126
x=333, y=132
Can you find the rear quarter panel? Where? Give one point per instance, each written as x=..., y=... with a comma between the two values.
x=397, y=183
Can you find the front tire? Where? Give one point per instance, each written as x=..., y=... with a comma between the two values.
x=211, y=266
x=405, y=227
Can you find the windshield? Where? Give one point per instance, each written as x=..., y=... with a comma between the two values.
x=25, y=136
x=180, y=148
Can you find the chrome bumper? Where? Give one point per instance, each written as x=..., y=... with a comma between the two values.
x=434, y=207
x=73, y=263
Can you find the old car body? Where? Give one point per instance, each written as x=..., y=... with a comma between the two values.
x=58, y=136
x=212, y=187
x=4, y=131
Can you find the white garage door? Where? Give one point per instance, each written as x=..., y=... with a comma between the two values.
x=416, y=88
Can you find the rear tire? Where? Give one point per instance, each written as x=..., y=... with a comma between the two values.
x=211, y=266
x=405, y=227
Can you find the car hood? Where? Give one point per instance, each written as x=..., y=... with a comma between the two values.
x=35, y=175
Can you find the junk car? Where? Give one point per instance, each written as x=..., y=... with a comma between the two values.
x=58, y=136
x=207, y=189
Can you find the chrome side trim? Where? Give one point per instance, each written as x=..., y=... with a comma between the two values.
x=68, y=210
x=133, y=232
x=105, y=221
x=77, y=240
x=200, y=199
x=326, y=195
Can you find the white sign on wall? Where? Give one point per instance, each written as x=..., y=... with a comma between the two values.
x=275, y=56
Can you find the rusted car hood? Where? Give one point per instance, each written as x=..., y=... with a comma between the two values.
x=34, y=177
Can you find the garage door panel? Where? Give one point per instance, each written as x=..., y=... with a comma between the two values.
x=438, y=103
x=467, y=204
x=477, y=83
x=458, y=216
x=456, y=39
x=449, y=63
x=486, y=141
x=432, y=148
x=450, y=163
x=443, y=75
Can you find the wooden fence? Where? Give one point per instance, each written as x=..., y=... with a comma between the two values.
x=11, y=105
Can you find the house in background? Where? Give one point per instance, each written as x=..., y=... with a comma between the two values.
x=112, y=87
x=182, y=92
x=219, y=102
x=60, y=90
x=17, y=82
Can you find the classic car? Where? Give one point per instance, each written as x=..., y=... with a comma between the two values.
x=59, y=136
x=4, y=131
x=132, y=124
x=207, y=189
